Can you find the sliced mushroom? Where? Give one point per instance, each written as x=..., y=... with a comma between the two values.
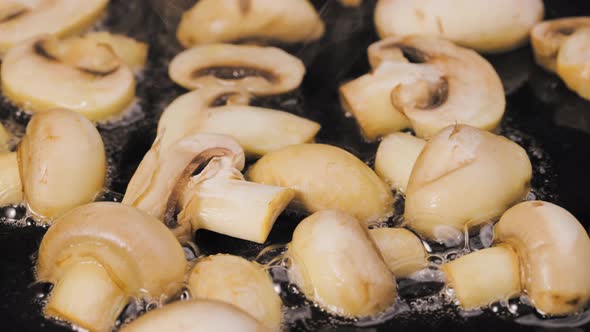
x=573, y=62
x=62, y=163
x=326, y=177
x=256, y=69
x=474, y=24
x=402, y=250
x=217, y=198
x=234, y=280
x=130, y=51
x=466, y=90
x=101, y=255
x=213, y=21
x=77, y=73
x=547, y=38
x=484, y=277
x=196, y=316
x=258, y=130
x=336, y=265
x=11, y=191
x=463, y=178
x=554, y=251
x=395, y=159
x=21, y=20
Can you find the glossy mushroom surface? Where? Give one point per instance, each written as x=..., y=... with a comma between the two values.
x=395, y=159
x=402, y=250
x=11, y=191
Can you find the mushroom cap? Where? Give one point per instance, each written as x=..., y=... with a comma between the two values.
x=60, y=147
x=554, y=251
x=196, y=316
x=486, y=27
x=257, y=69
x=326, y=177
x=140, y=254
x=468, y=90
x=21, y=20
x=215, y=21
x=395, y=158
x=573, y=62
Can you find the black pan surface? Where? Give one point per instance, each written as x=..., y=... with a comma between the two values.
x=551, y=122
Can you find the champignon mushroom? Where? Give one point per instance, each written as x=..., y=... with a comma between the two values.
x=326, y=177
x=500, y=27
x=217, y=198
x=484, y=277
x=99, y=256
x=337, y=266
x=234, y=280
x=213, y=21
x=130, y=51
x=402, y=250
x=258, y=130
x=10, y=184
x=554, y=251
x=464, y=177
x=547, y=38
x=79, y=73
x=61, y=161
x=256, y=69
x=573, y=62
x=22, y=20
x=395, y=158
x=196, y=316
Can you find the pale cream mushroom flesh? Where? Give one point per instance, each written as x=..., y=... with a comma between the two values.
x=573, y=62
x=395, y=159
x=23, y=19
x=5, y=138
x=80, y=74
x=234, y=280
x=132, y=52
x=474, y=24
x=60, y=147
x=463, y=178
x=214, y=21
x=100, y=256
x=11, y=191
x=326, y=177
x=218, y=198
x=554, y=251
x=337, y=266
x=256, y=69
x=258, y=130
x=402, y=250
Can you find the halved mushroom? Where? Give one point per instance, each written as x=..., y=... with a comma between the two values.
x=474, y=24
x=547, y=38
x=258, y=130
x=217, y=198
x=77, y=73
x=213, y=21
x=99, y=256
x=21, y=20
x=351, y=3
x=132, y=52
x=573, y=62
x=395, y=158
x=554, y=251
x=456, y=85
x=234, y=280
x=256, y=69
x=326, y=177
x=402, y=250
x=463, y=178
x=62, y=163
x=484, y=277
x=196, y=316
x=11, y=191
x=336, y=265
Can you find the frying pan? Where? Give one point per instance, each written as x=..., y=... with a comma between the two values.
x=542, y=115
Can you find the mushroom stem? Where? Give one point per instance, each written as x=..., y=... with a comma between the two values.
x=10, y=183
x=402, y=250
x=86, y=296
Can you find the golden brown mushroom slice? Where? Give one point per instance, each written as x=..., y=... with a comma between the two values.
x=234, y=280
x=474, y=24
x=464, y=177
x=62, y=163
x=547, y=38
x=256, y=69
x=402, y=250
x=196, y=316
x=11, y=191
x=214, y=21
x=554, y=251
x=326, y=177
x=336, y=265
x=79, y=73
x=573, y=62
x=21, y=20
x=100, y=256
